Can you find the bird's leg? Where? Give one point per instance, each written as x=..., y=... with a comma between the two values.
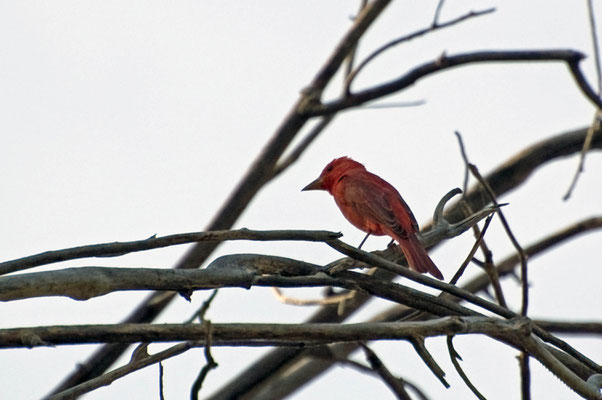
x=363, y=240
x=391, y=243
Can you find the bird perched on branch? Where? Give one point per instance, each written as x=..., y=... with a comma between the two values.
x=371, y=204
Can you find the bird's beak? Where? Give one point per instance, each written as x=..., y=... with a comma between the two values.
x=315, y=185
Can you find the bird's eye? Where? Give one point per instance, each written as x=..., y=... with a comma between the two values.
x=329, y=168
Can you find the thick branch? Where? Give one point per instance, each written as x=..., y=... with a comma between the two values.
x=380, y=262
x=570, y=57
x=116, y=249
x=571, y=327
x=88, y=282
x=251, y=334
x=507, y=177
x=279, y=370
x=513, y=331
x=539, y=351
x=240, y=270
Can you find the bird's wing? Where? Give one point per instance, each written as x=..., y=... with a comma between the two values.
x=379, y=201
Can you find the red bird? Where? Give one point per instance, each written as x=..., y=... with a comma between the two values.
x=374, y=206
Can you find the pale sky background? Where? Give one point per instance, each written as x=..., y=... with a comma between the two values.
x=122, y=120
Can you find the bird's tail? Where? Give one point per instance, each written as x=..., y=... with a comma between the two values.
x=418, y=258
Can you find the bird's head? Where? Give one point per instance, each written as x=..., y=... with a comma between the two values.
x=331, y=174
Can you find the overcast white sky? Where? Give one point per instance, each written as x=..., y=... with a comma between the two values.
x=122, y=120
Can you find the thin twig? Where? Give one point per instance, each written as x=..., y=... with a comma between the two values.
x=404, y=104
x=491, y=270
x=351, y=76
x=587, y=143
x=595, y=44
x=472, y=252
x=521, y=253
x=302, y=146
x=363, y=368
x=351, y=57
x=454, y=357
x=161, y=393
x=394, y=383
x=583, y=84
x=517, y=246
x=427, y=358
x=209, y=365
x=466, y=172
x=112, y=376
x=437, y=13
x=200, y=313
x=506, y=266
x=525, y=376
x=488, y=265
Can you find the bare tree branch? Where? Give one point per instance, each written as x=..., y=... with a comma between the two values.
x=116, y=249
x=434, y=26
x=525, y=376
x=507, y=266
x=523, y=259
x=471, y=254
x=513, y=331
x=120, y=372
x=210, y=362
x=508, y=176
x=570, y=57
x=394, y=383
x=417, y=277
x=254, y=334
x=161, y=391
x=571, y=327
x=595, y=44
x=593, y=129
x=595, y=126
x=518, y=168
x=86, y=282
x=311, y=369
x=488, y=265
x=537, y=350
x=251, y=270
x=429, y=361
x=242, y=195
x=454, y=357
